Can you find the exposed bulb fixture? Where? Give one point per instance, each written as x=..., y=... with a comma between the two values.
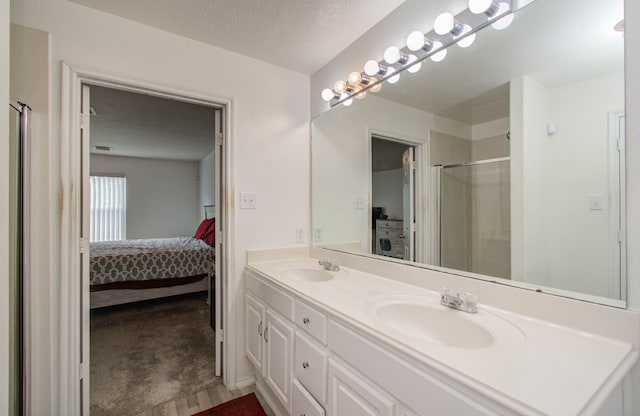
x=348, y=102
x=416, y=41
x=488, y=7
x=446, y=23
x=415, y=67
x=354, y=78
x=439, y=56
x=468, y=40
x=393, y=55
x=375, y=85
x=360, y=94
x=372, y=68
x=328, y=95
x=340, y=86
x=392, y=79
x=504, y=22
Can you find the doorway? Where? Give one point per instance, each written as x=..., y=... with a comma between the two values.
x=75, y=172
x=393, y=198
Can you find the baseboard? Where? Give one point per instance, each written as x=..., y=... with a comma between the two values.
x=245, y=382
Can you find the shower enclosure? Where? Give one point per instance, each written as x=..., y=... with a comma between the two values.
x=475, y=216
x=18, y=128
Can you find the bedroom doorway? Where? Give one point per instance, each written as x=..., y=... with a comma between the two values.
x=208, y=206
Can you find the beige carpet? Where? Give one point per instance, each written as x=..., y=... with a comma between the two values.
x=146, y=354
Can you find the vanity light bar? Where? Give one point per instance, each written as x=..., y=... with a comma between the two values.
x=447, y=30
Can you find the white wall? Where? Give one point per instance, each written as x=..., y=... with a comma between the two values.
x=558, y=174
x=269, y=135
x=4, y=210
x=162, y=195
x=387, y=192
x=207, y=172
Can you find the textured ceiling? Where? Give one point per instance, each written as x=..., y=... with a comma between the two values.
x=302, y=35
x=140, y=125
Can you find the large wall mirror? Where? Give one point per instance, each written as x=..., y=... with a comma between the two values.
x=503, y=162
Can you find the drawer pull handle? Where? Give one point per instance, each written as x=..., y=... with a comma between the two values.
x=305, y=364
x=305, y=320
x=260, y=328
x=265, y=334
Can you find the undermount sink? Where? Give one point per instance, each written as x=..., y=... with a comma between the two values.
x=422, y=318
x=306, y=273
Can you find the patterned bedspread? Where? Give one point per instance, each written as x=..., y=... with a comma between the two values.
x=149, y=259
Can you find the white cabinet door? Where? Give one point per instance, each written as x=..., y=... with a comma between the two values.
x=254, y=312
x=278, y=338
x=352, y=395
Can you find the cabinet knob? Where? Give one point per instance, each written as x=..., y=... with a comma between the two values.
x=305, y=364
x=305, y=320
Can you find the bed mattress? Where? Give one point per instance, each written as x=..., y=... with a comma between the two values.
x=149, y=259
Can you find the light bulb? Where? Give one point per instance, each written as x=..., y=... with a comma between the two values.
x=359, y=93
x=446, y=23
x=355, y=78
x=437, y=57
x=393, y=79
x=375, y=85
x=415, y=41
x=348, y=102
x=467, y=41
x=483, y=6
x=371, y=68
x=415, y=67
x=327, y=94
x=391, y=55
x=504, y=22
x=340, y=86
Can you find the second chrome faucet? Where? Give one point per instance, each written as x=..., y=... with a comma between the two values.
x=466, y=302
x=331, y=265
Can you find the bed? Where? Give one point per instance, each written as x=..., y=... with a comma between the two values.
x=133, y=270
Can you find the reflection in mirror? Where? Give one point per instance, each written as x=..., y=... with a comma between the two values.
x=504, y=161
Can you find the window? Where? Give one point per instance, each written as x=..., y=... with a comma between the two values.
x=108, y=208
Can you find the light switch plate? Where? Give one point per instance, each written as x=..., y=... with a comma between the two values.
x=596, y=202
x=248, y=200
x=299, y=235
x=358, y=202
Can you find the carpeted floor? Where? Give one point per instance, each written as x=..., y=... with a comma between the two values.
x=145, y=354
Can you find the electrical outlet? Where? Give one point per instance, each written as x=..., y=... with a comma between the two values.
x=317, y=235
x=299, y=235
x=248, y=200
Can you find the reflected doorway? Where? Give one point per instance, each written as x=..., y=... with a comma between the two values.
x=393, y=198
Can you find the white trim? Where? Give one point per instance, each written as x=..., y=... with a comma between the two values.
x=70, y=285
x=617, y=211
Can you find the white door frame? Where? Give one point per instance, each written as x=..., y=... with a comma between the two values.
x=71, y=308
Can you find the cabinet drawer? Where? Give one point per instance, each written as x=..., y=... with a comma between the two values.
x=274, y=298
x=388, y=224
x=303, y=403
x=391, y=234
x=310, y=366
x=312, y=321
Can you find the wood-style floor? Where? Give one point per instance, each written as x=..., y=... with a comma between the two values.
x=202, y=400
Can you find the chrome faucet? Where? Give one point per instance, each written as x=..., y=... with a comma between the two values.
x=331, y=265
x=463, y=302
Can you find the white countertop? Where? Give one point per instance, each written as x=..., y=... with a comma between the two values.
x=533, y=367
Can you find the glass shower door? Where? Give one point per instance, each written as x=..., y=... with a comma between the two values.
x=475, y=220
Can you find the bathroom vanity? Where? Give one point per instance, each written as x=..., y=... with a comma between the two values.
x=350, y=342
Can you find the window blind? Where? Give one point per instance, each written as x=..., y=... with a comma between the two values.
x=108, y=208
